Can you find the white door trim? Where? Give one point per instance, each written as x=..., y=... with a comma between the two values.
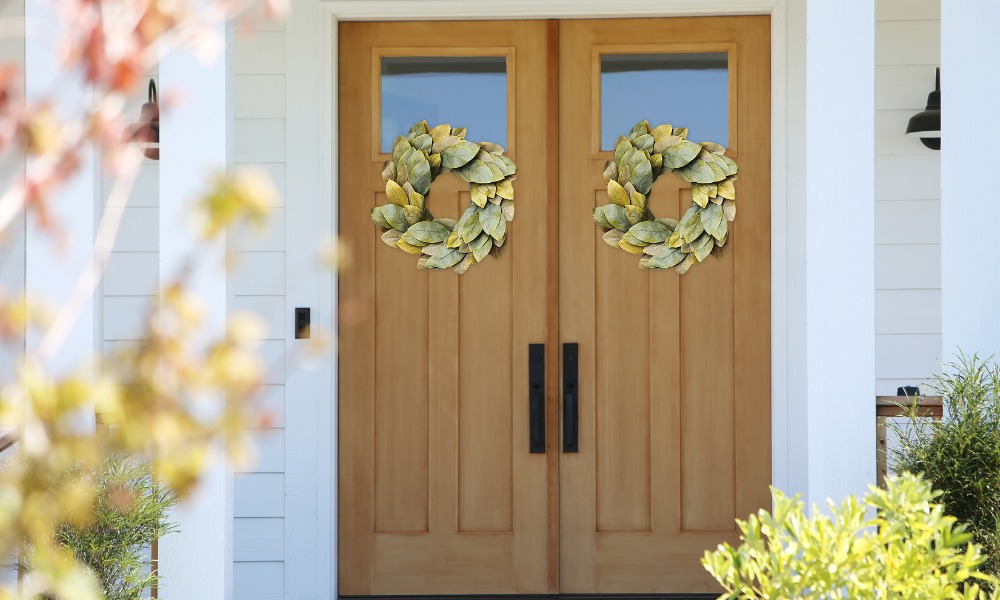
x=312, y=58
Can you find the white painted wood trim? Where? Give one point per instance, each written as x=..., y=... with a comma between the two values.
x=398, y=10
x=196, y=562
x=788, y=139
x=839, y=359
x=310, y=419
x=969, y=285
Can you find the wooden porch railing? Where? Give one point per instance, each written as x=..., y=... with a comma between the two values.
x=8, y=439
x=889, y=406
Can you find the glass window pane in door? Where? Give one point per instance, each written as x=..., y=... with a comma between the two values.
x=464, y=91
x=685, y=90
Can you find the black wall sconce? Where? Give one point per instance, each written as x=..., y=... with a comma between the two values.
x=927, y=124
x=146, y=132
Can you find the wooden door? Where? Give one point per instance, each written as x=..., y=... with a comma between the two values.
x=674, y=431
x=438, y=491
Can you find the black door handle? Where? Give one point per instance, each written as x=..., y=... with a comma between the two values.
x=571, y=398
x=536, y=398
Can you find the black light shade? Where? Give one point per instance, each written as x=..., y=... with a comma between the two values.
x=927, y=123
x=146, y=132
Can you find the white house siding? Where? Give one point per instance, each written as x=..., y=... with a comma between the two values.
x=258, y=284
x=908, y=197
x=12, y=240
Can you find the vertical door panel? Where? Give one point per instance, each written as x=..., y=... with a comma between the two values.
x=438, y=491
x=674, y=370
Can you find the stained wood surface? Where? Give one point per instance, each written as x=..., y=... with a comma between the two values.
x=439, y=494
x=674, y=370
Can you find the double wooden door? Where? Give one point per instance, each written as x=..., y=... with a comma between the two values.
x=439, y=492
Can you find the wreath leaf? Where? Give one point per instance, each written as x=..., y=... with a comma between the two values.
x=490, y=218
x=395, y=193
x=472, y=228
x=458, y=155
x=617, y=194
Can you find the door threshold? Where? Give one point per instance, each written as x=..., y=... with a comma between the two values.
x=539, y=597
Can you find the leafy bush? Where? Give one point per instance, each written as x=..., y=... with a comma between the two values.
x=130, y=511
x=895, y=543
x=960, y=454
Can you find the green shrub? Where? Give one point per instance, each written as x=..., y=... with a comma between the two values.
x=960, y=454
x=895, y=543
x=130, y=512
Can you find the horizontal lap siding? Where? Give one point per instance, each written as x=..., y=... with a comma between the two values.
x=908, y=198
x=257, y=284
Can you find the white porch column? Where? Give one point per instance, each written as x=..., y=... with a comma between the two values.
x=196, y=562
x=54, y=263
x=838, y=364
x=970, y=257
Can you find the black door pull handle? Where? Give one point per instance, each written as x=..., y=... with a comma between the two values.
x=571, y=399
x=536, y=398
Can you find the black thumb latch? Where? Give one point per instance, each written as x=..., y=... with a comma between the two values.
x=302, y=323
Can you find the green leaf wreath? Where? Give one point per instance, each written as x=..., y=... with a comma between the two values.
x=417, y=159
x=641, y=157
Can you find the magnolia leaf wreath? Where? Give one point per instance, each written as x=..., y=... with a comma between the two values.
x=417, y=159
x=641, y=157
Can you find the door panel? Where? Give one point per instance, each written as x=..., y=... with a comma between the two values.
x=438, y=491
x=674, y=370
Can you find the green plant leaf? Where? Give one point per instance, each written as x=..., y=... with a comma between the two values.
x=650, y=232
x=612, y=237
x=458, y=155
x=617, y=194
x=445, y=260
x=729, y=207
x=507, y=208
x=490, y=219
x=727, y=189
x=413, y=214
x=617, y=216
x=691, y=226
x=394, y=192
x=395, y=216
x=481, y=246
x=420, y=176
x=642, y=176
x=379, y=218
x=712, y=218
x=505, y=189
x=478, y=194
x=678, y=155
x=472, y=228
x=627, y=247
x=476, y=171
x=429, y=232
x=391, y=236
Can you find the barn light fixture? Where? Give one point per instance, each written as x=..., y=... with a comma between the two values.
x=146, y=132
x=927, y=124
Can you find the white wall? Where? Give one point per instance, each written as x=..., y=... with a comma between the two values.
x=257, y=283
x=970, y=53
x=908, y=197
x=12, y=240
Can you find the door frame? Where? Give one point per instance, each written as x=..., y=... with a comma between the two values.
x=311, y=163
